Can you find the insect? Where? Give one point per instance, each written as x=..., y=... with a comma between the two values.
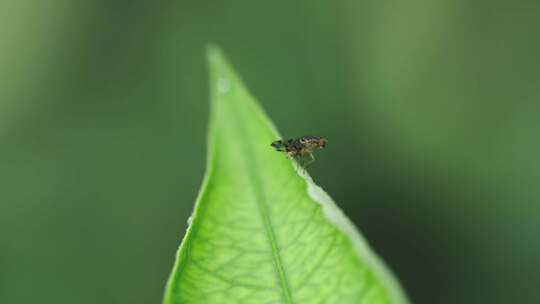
x=300, y=148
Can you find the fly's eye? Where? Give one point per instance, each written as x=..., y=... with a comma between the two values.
x=322, y=142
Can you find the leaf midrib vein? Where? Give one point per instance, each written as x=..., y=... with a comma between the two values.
x=263, y=208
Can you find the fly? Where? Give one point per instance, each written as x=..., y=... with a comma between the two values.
x=300, y=148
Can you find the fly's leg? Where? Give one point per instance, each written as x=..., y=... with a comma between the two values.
x=308, y=161
x=303, y=160
x=311, y=158
x=299, y=159
x=294, y=157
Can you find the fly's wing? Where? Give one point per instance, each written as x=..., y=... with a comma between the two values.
x=279, y=145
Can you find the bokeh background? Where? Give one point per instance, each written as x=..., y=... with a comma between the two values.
x=431, y=108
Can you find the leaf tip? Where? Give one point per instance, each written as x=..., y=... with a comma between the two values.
x=213, y=53
x=221, y=73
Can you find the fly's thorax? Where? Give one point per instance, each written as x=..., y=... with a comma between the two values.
x=312, y=142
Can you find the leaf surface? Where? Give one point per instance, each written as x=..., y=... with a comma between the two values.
x=262, y=231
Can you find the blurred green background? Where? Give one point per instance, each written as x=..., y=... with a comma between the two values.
x=431, y=109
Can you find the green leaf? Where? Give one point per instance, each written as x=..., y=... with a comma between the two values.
x=262, y=231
